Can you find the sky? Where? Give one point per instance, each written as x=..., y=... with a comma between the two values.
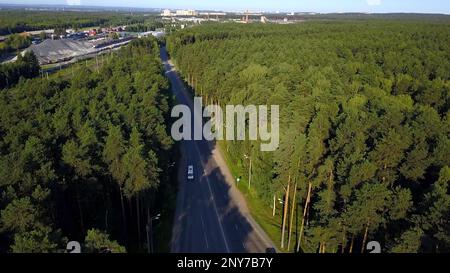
x=324, y=6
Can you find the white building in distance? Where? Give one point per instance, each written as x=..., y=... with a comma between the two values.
x=166, y=13
x=182, y=12
x=186, y=13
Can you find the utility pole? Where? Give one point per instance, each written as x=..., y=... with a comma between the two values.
x=250, y=174
x=249, y=170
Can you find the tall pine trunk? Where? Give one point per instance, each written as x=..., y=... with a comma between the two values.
x=138, y=219
x=293, y=206
x=305, y=211
x=363, y=247
x=351, y=244
x=80, y=209
x=286, y=206
x=274, y=205
x=343, y=242
x=321, y=247
x=124, y=218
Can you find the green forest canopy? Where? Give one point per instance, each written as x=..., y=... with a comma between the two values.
x=365, y=125
x=25, y=67
x=84, y=157
x=16, y=21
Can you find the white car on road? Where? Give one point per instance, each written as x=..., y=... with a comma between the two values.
x=190, y=172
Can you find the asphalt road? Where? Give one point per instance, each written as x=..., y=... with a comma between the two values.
x=211, y=214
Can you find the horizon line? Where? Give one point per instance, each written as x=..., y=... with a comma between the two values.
x=223, y=10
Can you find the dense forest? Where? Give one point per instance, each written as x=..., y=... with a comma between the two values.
x=25, y=67
x=148, y=25
x=13, y=43
x=85, y=158
x=353, y=16
x=365, y=126
x=16, y=21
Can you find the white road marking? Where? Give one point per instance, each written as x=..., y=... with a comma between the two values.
x=215, y=206
x=204, y=231
x=189, y=103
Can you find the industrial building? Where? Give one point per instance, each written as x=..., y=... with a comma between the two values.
x=169, y=13
x=55, y=51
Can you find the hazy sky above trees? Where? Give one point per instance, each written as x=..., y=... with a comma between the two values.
x=382, y=6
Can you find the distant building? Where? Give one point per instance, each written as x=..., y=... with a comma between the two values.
x=92, y=32
x=166, y=13
x=156, y=34
x=181, y=12
x=63, y=50
x=38, y=32
x=77, y=35
x=186, y=13
x=53, y=51
x=25, y=34
x=213, y=13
